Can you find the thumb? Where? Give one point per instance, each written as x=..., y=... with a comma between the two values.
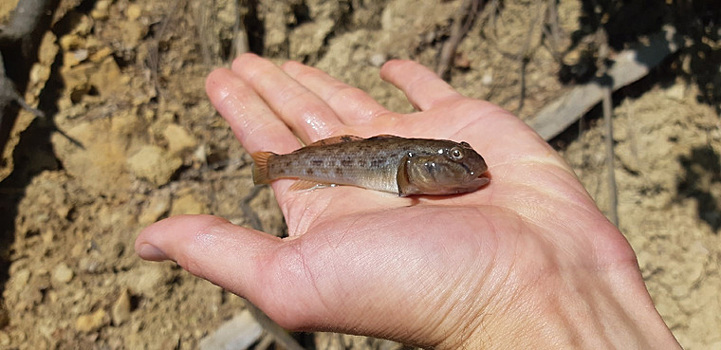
x=252, y=264
x=207, y=246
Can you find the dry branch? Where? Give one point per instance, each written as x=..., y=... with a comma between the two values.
x=18, y=43
x=461, y=24
x=629, y=66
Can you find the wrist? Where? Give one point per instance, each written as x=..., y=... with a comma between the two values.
x=592, y=310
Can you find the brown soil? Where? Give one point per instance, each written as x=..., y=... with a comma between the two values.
x=134, y=140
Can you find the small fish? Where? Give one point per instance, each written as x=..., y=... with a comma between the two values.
x=382, y=163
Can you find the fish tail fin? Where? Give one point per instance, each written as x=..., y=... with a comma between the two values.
x=261, y=173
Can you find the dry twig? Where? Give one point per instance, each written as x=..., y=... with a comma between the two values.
x=629, y=66
x=18, y=42
x=461, y=24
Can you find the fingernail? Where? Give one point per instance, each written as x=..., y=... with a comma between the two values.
x=151, y=252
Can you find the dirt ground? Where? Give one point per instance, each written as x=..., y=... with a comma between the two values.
x=134, y=139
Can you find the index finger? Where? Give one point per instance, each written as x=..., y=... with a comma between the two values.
x=423, y=88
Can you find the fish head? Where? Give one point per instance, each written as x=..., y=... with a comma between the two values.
x=456, y=168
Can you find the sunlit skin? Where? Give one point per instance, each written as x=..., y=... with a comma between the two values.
x=528, y=261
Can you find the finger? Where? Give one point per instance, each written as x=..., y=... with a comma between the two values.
x=309, y=117
x=423, y=88
x=249, y=263
x=250, y=118
x=208, y=247
x=352, y=105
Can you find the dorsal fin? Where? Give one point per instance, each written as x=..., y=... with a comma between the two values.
x=335, y=139
x=384, y=136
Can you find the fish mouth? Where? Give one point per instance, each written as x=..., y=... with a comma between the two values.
x=479, y=182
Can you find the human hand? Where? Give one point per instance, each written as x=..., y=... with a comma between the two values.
x=528, y=260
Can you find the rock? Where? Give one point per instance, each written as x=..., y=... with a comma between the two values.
x=62, y=273
x=676, y=92
x=101, y=10
x=132, y=33
x=21, y=278
x=4, y=340
x=147, y=279
x=4, y=317
x=91, y=265
x=158, y=205
x=107, y=78
x=238, y=333
x=154, y=164
x=308, y=38
x=178, y=138
x=120, y=312
x=101, y=54
x=188, y=203
x=487, y=78
x=73, y=58
x=71, y=42
x=92, y=322
x=99, y=162
x=133, y=11
x=377, y=60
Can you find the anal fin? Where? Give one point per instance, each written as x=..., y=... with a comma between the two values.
x=302, y=185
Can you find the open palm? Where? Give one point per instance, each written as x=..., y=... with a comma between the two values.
x=433, y=271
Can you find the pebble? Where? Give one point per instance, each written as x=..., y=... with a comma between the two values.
x=4, y=340
x=91, y=265
x=238, y=333
x=378, y=59
x=154, y=164
x=21, y=278
x=146, y=279
x=157, y=206
x=178, y=138
x=4, y=316
x=92, y=322
x=487, y=79
x=676, y=92
x=101, y=10
x=120, y=312
x=133, y=12
x=188, y=203
x=62, y=273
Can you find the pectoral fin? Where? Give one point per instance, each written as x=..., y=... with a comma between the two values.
x=405, y=187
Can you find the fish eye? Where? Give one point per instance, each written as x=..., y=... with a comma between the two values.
x=456, y=154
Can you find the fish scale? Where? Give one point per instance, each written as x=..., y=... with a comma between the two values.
x=372, y=163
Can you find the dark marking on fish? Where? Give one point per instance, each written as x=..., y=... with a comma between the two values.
x=377, y=163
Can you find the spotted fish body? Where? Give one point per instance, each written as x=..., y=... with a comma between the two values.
x=383, y=163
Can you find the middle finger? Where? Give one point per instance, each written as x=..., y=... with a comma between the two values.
x=309, y=117
x=352, y=105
